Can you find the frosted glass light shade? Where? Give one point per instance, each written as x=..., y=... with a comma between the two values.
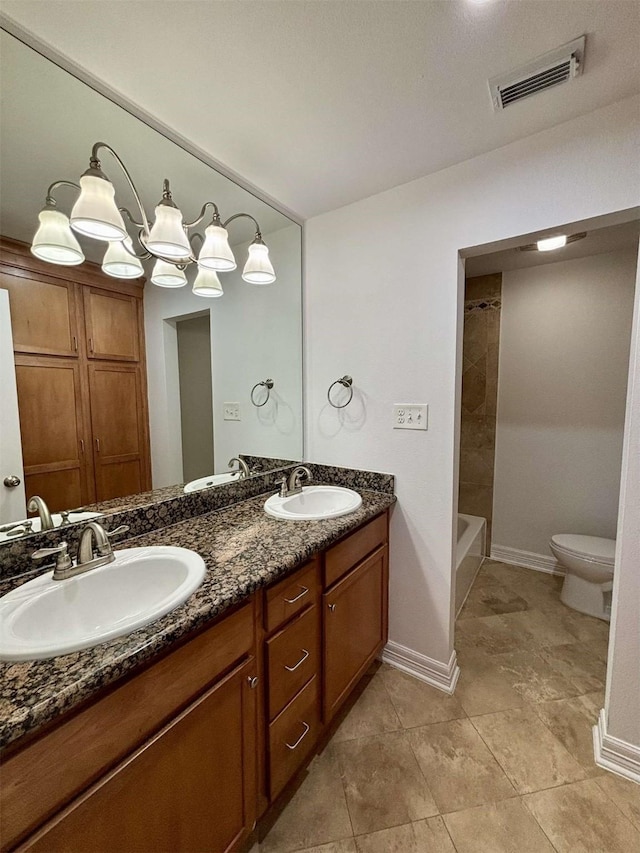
x=95, y=212
x=54, y=241
x=120, y=263
x=167, y=236
x=207, y=284
x=258, y=269
x=551, y=243
x=216, y=253
x=167, y=275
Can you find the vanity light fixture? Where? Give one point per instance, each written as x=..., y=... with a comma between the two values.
x=166, y=274
x=54, y=241
x=120, y=260
x=207, y=283
x=548, y=244
x=96, y=214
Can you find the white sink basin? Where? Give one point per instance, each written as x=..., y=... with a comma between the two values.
x=212, y=480
x=314, y=503
x=44, y=618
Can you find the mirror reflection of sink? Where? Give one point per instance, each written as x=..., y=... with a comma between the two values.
x=314, y=503
x=55, y=517
x=212, y=480
x=44, y=618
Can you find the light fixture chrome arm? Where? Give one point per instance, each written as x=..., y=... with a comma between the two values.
x=129, y=216
x=207, y=204
x=258, y=237
x=50, y=200
x=95, y=164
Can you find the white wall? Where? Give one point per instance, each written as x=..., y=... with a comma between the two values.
x=382, y=295
x=562, y=383
x=255, y=334
x=622, y=704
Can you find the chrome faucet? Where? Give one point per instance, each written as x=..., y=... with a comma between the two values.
x=93, y=536
x=36, y=504
x=293, y=486
x=243, y=468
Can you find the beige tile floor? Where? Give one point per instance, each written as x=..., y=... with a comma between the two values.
x=506, y=764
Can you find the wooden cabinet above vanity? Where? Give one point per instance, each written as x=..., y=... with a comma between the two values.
x=190, y=751
x=78, y=339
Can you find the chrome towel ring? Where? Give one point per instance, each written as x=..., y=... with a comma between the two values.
x=268, y=384
x=346, y=382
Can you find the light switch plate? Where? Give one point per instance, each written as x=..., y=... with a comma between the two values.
x=231, y=411
x=410, y=416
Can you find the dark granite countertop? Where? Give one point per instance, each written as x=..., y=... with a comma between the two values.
x=243, y=548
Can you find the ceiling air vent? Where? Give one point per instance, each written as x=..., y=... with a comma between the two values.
x=550, y=69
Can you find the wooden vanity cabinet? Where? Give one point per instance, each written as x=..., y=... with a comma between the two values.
x=164, y=761
x=293, y=677
x=78, y=340
x=354, y=609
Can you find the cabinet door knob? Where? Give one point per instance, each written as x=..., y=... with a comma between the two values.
x=252, y=681
x=331, y=607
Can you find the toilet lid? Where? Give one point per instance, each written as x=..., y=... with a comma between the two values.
x=589, y=547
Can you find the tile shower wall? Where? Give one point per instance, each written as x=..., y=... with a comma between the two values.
x=479, y=395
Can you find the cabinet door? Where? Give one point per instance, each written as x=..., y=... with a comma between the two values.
x=43, y=314
x=191, y=788
x=354, y=627
x=53, y=430
x=118, y=423
x=111, y=322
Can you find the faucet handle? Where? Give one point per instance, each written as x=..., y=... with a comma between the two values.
x=63, y=560
x=119, y=530
x=284, y=487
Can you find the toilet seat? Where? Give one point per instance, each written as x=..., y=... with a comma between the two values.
x=593, y=549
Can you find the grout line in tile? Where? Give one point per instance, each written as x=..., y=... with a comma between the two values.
x=557, y=849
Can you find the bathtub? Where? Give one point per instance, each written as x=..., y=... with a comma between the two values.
x=470, y=551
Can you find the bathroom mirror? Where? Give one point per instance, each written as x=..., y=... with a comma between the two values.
x=49, y=121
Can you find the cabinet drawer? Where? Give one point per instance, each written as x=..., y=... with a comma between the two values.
x=291, y=595
x=292, y=735
x=344, y=556
x=292, y=658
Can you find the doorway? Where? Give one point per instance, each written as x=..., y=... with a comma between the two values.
x=196, y=396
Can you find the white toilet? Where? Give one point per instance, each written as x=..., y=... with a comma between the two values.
x=588, y=563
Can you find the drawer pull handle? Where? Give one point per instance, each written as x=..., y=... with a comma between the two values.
x=252, y=681
x=332, y=607
x=305, y=655
x=304, y=589
x=307, y=729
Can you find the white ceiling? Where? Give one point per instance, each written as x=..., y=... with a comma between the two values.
x=321, y=103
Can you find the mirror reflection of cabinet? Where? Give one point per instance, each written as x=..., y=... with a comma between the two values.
x=78, y=340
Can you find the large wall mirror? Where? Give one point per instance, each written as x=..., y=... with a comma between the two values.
x=204, y=356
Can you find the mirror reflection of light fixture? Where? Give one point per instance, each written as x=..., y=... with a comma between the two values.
x=207, y=284
x=96, y=214
x=258, y=269
x=120, y=260
x=166, y=274
x=54, y=241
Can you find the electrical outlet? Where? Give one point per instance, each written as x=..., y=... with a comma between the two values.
x=410, y=416
x=231, y=411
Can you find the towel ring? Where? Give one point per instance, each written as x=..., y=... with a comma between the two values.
x=268, y=384
x=346, y=382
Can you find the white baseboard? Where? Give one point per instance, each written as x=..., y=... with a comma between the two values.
x=444, y=676
x=526, y=559
x=614, y=754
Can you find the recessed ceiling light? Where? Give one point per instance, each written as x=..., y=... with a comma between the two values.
x=548, y=244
